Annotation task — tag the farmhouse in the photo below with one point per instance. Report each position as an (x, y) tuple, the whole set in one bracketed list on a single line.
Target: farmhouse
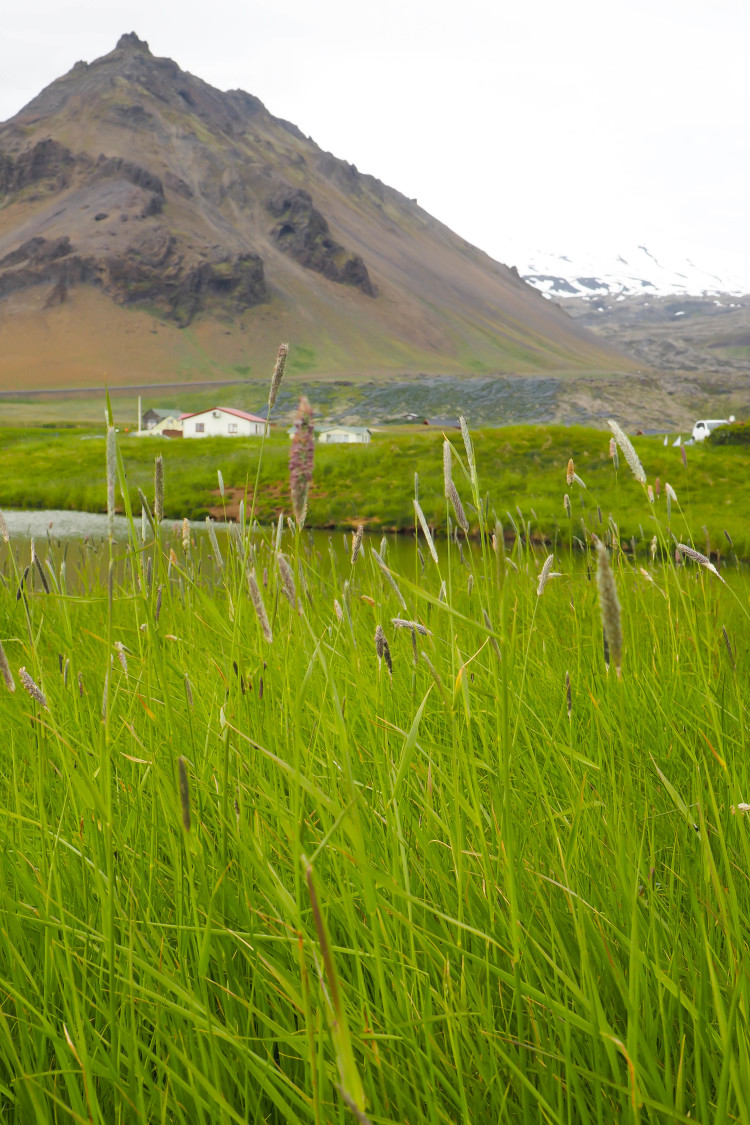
[(169, 425), (337, 435), (222, 421), (156, 415)]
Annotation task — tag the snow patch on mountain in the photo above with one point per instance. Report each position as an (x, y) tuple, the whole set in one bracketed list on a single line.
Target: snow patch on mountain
[(634, 271)]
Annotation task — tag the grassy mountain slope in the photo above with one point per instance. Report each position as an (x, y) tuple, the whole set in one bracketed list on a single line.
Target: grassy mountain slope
[(154, 227)]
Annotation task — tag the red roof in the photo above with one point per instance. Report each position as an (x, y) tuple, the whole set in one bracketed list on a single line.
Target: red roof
[(226, 410)]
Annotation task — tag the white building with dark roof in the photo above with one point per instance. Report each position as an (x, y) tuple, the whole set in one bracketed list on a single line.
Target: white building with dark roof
[(222, 421), (344, 435)]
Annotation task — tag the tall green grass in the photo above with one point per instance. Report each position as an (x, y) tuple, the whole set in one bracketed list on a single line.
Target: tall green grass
[(454, 893)]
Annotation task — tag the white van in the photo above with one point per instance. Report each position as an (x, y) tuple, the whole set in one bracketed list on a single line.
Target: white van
[(702, 429)]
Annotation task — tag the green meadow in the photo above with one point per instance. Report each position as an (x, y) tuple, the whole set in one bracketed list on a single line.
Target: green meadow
[(291, 837), (523, 476)]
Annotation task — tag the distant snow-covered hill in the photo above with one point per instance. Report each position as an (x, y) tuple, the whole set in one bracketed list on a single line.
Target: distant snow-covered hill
[(635, 271)]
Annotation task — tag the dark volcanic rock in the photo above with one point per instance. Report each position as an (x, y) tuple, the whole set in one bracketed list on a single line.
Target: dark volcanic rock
[(37, 251), (141, 177), (151, 270), (154, 270), (46, 160), (303, 233)]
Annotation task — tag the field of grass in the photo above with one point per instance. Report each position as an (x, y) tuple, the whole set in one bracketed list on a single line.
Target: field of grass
[(524, 467), (258, 867)]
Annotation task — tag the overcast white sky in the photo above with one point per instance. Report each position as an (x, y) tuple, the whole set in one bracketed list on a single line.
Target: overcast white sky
[(527, 125)]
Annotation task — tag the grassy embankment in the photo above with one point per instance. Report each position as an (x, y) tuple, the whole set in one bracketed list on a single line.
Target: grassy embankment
[(523, 467), (457, 893)]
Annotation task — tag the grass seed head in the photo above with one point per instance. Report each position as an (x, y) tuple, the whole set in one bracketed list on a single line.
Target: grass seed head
[(37, 563), (610, 607), (447, 466), (382, 649), (468, 446), (729, 647), (415, 626), (287, 579), (571, 473), (260, 610), (121, 656), (425, 530), (278, 374), (613, 453), (702, 560), (186, 535), (32, 689), (544, 575), (628, 451), (214, 543), (4, 529), (184, 793), (301, 456), (357, 542), (566, 505), (159, 489), (5, 671), (458, 508), (388, 576)]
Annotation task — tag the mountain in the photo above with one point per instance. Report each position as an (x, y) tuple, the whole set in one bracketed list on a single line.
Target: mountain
[(157, 229), (633, 271), (661, 308)]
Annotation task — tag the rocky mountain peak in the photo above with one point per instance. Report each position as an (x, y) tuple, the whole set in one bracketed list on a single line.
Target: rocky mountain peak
[(131, 42)]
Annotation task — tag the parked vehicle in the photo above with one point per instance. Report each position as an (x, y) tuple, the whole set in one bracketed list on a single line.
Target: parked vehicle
[(703, 428)]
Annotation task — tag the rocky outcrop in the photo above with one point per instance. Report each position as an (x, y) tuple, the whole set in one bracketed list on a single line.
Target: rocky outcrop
[(46, 160), (52, 163), (157, 271), (152, 271), (303, 233), (37, 252)]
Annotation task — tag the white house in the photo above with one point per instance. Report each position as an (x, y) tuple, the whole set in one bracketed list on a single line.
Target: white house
[(222, 421), (337, 435)]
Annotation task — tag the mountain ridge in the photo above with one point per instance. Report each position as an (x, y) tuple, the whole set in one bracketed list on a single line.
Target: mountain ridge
[(132, 179), (629, 271)]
